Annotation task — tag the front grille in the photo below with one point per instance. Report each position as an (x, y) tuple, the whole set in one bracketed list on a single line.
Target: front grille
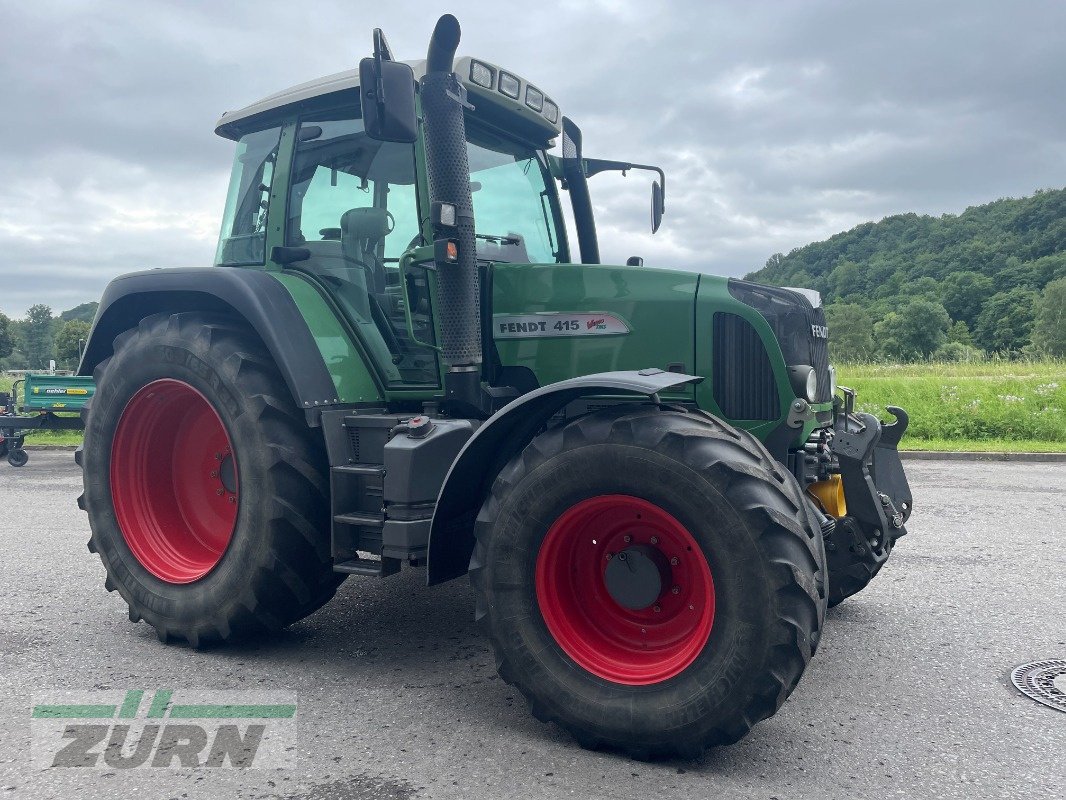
[(793, 320), (744, 384)]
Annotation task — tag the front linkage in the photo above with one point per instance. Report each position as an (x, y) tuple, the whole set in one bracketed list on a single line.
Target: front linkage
[(876, 493)]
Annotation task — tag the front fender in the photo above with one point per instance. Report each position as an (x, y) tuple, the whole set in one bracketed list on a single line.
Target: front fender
[(499, 439)]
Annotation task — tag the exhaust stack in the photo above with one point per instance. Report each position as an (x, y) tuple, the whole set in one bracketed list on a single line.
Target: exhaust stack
[(443, 101)]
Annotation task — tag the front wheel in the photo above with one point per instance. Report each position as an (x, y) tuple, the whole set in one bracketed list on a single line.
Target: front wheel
[(18, 458), (206, 491), (650, 579)]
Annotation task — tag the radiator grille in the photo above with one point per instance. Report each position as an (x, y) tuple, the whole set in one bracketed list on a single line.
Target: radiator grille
[(744, 384), (794, 322)]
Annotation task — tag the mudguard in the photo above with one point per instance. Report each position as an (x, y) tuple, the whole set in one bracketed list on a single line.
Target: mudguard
[(504, 434), (252, 294)]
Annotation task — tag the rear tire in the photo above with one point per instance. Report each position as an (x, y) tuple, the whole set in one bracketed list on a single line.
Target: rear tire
[(206, 491), (652, 682)]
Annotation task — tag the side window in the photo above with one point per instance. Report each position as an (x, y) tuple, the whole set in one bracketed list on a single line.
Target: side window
[(243, 236), (353, 206)]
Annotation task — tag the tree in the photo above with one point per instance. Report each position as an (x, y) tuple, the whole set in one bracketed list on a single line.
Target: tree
[(959, 333), (37, 336), (1049, 327), (1005, 321), (850, 332), (964, 294), (918, 329), (85, 312), (7, 341), (68, 342)]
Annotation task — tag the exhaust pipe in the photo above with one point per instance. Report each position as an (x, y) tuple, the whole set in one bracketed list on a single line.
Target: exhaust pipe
[(443, 101)]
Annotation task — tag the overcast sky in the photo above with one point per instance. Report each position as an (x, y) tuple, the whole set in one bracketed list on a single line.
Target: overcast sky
[(778, 123)]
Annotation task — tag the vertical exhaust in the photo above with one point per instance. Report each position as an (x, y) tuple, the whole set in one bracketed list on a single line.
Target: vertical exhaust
[(443, 102)]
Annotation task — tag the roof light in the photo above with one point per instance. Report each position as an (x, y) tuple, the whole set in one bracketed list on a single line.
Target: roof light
[(509, 85), (534, 98), (482, 74), (551, 111)]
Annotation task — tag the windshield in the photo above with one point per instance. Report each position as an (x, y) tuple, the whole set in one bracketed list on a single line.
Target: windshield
[(516, 211)]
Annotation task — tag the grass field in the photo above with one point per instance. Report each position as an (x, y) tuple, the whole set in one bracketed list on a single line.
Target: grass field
[(991, 405), (988, 406)]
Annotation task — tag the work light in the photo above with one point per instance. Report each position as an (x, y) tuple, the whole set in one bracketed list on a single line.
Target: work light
[(482, 74), (551, 111), (534, 98), (509, 85)]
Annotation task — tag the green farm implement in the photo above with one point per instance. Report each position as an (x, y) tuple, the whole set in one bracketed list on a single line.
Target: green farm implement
[(399, 361), (47, 403)]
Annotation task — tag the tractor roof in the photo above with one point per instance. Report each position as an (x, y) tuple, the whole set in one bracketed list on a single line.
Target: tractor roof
[(233, 124)]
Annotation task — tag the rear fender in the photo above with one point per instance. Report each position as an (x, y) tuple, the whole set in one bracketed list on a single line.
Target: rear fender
[(498, 440), (250, 294)]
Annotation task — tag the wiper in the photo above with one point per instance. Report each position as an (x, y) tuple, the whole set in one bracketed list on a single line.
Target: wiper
[(488, 237)]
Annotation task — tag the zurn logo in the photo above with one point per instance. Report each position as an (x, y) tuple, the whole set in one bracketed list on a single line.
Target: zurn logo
[(164, 729)]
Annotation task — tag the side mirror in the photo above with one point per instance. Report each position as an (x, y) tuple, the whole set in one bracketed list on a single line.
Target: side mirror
[(656, 206), (387, 96)]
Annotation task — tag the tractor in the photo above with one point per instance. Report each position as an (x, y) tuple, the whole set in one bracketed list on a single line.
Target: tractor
[(649, 475)]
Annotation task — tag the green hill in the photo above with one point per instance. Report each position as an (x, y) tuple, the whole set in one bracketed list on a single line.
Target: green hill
[(987, 268)]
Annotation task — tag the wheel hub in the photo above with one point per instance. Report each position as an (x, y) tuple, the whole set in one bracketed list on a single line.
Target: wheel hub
[(625, 589), (174, 481), (635, 577)]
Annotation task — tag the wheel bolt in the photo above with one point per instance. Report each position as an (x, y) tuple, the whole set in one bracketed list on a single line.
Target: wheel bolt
[(627, 538), (214, 473), (674, 561), (233, 498), (610, 556), (676, 590), (621, 556), (218, 491), (218, 456), (654, 539), (657, 609)]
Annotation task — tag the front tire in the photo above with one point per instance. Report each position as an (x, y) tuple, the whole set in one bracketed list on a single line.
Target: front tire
[(205, 489), (737, 578)]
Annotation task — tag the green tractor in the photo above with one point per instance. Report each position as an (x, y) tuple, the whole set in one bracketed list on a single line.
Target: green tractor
[(396, 362)]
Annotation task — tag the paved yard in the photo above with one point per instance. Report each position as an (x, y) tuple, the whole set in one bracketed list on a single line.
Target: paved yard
[(908, 696)]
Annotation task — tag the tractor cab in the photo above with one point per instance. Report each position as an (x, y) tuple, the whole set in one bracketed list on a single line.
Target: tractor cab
[(312, 192)]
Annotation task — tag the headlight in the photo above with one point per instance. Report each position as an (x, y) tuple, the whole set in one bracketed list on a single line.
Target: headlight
[(804, 382), (482, 74)]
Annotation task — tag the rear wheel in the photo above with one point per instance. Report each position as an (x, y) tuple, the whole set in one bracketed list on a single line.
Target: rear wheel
[(205, 489), (650, 579)]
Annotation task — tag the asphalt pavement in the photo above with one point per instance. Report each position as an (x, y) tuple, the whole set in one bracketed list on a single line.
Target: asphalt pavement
[(908, 696)]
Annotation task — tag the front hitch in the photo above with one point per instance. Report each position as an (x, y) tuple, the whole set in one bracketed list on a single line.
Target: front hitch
[(876, 491)]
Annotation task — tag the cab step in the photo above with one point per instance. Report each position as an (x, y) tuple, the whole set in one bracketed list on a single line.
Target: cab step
[(372, 568)]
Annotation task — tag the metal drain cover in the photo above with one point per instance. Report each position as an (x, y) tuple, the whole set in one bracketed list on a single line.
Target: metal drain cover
[(1044, 681)]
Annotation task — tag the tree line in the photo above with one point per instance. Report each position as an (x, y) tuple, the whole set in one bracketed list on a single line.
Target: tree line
[(40, 337), (954, 287)]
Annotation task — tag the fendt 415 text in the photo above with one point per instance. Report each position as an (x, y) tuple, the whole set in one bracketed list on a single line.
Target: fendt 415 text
[(649, 475)]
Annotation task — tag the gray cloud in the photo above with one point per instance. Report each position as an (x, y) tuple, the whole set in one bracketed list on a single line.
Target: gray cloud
[(778, 123)]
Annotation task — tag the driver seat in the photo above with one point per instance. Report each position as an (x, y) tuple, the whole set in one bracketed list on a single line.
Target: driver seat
[(362, 230)]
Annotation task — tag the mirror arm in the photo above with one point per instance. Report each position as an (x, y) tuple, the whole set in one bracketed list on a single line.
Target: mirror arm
[(594, 166)]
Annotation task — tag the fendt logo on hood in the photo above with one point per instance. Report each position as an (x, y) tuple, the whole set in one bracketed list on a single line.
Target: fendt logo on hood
[(820, 331)]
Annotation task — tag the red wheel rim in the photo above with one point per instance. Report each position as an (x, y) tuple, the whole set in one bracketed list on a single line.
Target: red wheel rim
[(633, 647), (174, 481)]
